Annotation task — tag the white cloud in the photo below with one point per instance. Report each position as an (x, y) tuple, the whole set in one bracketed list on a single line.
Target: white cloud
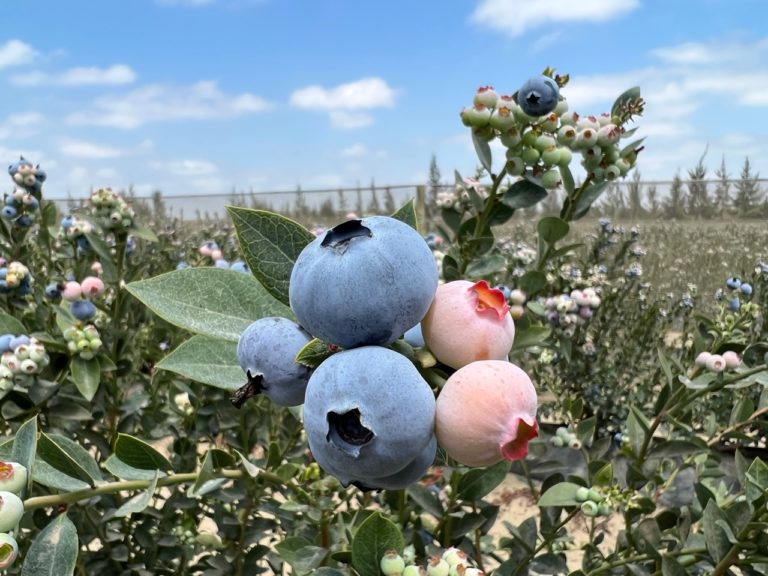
[(349, 120), (355, 151), (515, 17), (21, 125), (157, 103), (362, 94), (187, 167), (16, 53), (82, 149), (693, 53), (117, 74)]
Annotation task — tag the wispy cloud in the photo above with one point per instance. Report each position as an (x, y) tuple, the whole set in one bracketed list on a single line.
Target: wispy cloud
[(345, 101), (21, 125), (114, 75), (15, 53), (158, 103), (83, 149), (515, 18), (187, 167), (354, 151)]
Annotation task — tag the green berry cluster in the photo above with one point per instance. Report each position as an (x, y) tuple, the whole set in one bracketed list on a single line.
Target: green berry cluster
[(111, 210), (84, 341), (538, 147), (593, 503), (21, 365), (452, 562), (564, 437)]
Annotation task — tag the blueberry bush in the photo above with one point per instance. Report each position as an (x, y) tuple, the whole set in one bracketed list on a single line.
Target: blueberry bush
[(255, 397)]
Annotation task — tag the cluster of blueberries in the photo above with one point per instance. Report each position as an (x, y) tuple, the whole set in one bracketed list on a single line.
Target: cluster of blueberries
[(371, 418), (540, 134), (736, 290), (79, 294), (451, 561), (211, 250), (15, 278), (22, 359), (110, 209), (19, 207), (572, 309), (74, 229), (13, 481)]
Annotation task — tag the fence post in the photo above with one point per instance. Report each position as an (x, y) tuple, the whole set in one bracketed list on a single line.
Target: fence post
[(421, 208)]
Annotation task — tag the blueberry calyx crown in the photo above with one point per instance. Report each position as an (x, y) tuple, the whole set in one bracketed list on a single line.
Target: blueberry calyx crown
[(349, 430), (339, 236), (253, 387)]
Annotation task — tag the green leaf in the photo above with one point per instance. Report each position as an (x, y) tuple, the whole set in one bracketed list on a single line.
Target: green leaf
[(138, 453), (214, 460), (212, 361), (523, 194), (143, 233), (270, 244), (671, 567), (121, 470), (604, 476), (86, 375), (532, 282), (250, 468), (301, 554), (314, 352), (407, 213), (210, 301), (483, 150), (587, 197), (10, 325), (551, 229), (531, 336), (625, 97), (139, 502), (54, 551), (757, 479), (452, 219), (638, 429), (47, 475), (714, 535), (567, 177), (426, 499), (486, 265), (53, 454), (478, 482), (108, 269), (375, 536), (79, 454), (561, 494), (25, 447)]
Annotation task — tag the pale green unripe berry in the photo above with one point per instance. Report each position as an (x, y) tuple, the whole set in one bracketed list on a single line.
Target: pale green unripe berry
[(595, 496), (569, 118), (502, 119), (13, 477), (597, 174), (563, 432), (529, 138), (409, 552), (550, 123), (95, 344), (29, 366), (87, 355), (582, 494), (550, 156), (574, 444), (589, 508), (11, 511), (544, 142), (562, 107), (69, 333), (586, 138), (9, 550), (608, 135), (392, 564), (565, 156), (22, 352), (485, 133), (557, 442), (604, 510), (612, 172), (530, 156), (38, 354), (522, 117), (517, 296), (623, 165), (5, 372), (477, 117), (90, 332), (486, 96), (454, 555), (566, 135), (414, 570), (515, 166), (72, 346), (10, 361), (551, 179), (610, 154), (511, 137), (438, 567), (83, 345)]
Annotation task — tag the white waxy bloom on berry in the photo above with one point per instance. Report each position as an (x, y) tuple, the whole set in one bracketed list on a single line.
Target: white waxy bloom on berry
[(732, 359), (716, 363), (486, 96)]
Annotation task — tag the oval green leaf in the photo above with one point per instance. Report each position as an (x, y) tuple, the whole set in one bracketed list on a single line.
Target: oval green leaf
[(211, 361)]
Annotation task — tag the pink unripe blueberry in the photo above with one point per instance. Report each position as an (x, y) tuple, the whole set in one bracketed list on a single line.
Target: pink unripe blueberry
[(608, 135), (96, 268), (716, 363), (517, 296), (9, 550), (92, 287), (732, 359), (486, 412), (468, 322), (72, 291), (516, 311), (205, 250), (216, 255), (703, 358)]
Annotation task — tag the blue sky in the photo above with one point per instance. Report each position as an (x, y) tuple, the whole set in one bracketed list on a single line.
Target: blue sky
[(203, 96)]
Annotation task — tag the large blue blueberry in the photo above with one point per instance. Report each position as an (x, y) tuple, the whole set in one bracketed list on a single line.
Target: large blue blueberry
[(266, 352), (368, 414), (83, 310), (413, 472), (363, 282), (538, 96)]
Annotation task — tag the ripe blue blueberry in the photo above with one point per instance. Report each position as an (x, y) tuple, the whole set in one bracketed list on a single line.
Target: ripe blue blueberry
[(84, 244), (8, 212), (266, 352), (363, 282), (746, 289), (53, 291), (734, 304), (17, 341), (538, 96), (733, 283), (413, 472), (83, 309), (414, 337), (67, 222), (368, 414), (182, 265), (240, 266), (221, 263), (23, 221), (5, 343)]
